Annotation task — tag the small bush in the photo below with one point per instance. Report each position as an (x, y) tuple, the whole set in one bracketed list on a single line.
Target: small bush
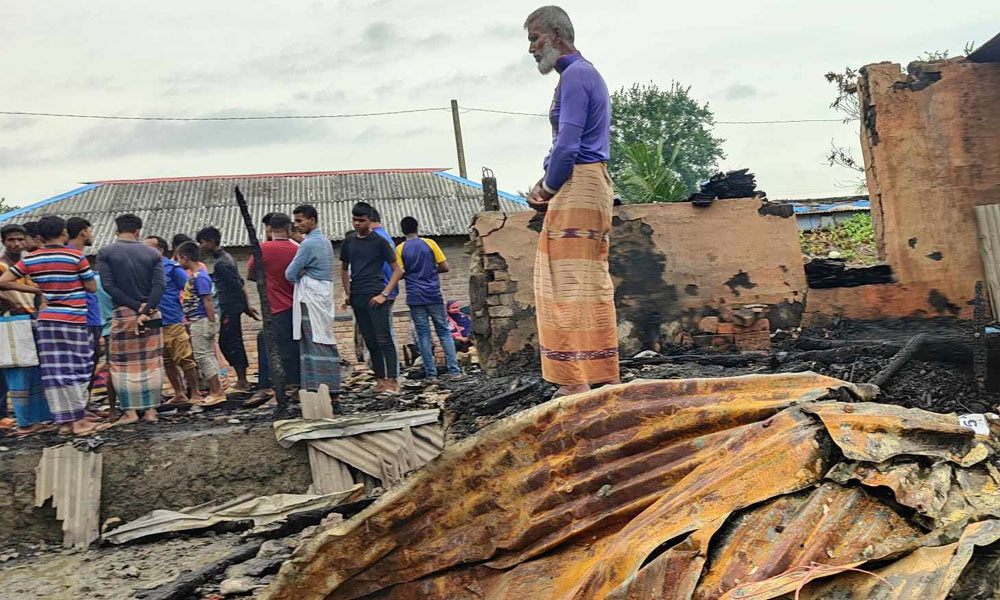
[(854, 239)]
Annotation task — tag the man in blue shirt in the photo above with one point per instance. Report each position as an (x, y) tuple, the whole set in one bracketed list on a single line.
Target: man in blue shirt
[(574, 293), (178, 356), (313, 310), (422, 260)]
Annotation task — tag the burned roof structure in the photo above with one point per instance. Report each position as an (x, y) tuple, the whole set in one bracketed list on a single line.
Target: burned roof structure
[(443, 203)]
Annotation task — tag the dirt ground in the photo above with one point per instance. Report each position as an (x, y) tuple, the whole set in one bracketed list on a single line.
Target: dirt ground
[(111, 573)]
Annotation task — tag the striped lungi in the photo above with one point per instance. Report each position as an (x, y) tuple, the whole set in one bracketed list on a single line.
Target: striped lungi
[(27, 396), (574, 295), (320, 362), (136, 362), (66, 362)]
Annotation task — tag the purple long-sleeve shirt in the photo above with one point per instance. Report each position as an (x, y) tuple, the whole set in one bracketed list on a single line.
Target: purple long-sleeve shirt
[(581, 121)]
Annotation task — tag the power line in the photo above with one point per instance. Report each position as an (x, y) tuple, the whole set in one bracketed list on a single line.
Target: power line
[(465, 109), (241, 118), (529, 114)]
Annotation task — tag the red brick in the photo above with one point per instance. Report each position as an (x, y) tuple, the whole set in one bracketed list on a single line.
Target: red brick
[(757, 340), (719, 342), (734, 329), (709, 325)]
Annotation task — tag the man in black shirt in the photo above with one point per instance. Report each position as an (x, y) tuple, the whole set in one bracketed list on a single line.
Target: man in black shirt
[(233, 303), (362, 255)]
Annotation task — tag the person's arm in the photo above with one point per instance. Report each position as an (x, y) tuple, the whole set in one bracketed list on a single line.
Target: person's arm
[(249, 309), (389, 256), (399, 255), (345, 270), (7, 282), (293, 272), (206, 300), (345, 280), (156, 291), (251, 270), (397, 274), (439, 258), (87, 276), (573, 100)]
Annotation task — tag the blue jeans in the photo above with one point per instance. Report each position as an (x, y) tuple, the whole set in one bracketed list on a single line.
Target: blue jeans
[(419, 314)]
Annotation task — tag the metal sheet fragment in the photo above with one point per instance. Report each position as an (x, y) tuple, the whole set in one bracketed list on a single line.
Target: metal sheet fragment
[(73, 480), (877, 432)]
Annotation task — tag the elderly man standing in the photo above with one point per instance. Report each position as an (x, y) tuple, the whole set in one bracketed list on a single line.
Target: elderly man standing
[(574, 295)]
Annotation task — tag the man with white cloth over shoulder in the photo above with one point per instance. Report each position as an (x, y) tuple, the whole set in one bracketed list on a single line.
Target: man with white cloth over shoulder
[(312, 305)]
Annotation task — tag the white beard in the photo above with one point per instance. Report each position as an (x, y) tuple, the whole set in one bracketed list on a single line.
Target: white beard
[(550, 56)]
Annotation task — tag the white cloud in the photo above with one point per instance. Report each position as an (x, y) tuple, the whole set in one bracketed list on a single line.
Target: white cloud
[(293, 57)]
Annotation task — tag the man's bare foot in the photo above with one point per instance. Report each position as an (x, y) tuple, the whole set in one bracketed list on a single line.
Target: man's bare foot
[(65, 429), (569, 390), (129, 417), (83, 427), (150, 416), (380, 385), (196, 399)]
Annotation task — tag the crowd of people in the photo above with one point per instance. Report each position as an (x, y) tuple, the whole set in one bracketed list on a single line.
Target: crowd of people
[(153, 309)]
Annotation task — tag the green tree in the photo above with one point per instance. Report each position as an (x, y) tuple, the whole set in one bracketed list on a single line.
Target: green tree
[(648, 178), (645, 114)]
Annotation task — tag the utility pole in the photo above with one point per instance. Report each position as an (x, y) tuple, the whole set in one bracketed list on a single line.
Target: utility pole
[(459, 146)]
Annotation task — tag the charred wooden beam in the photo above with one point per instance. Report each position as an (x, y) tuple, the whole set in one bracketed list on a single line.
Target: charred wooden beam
[(899, 359)]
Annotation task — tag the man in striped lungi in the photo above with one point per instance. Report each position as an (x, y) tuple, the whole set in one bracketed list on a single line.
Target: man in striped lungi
[(64, 276)]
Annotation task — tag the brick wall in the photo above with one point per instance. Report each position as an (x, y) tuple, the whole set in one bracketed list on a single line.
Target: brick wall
[(454, 285)]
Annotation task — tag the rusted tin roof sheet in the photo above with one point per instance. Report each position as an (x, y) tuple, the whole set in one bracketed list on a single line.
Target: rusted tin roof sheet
[(665, 489)]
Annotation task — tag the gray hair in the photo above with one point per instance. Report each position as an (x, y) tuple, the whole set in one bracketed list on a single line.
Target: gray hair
[(551, 19)]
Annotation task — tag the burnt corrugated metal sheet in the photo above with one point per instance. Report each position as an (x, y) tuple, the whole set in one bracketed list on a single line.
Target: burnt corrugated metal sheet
[(442, 203), (667, 489), (73, 480)]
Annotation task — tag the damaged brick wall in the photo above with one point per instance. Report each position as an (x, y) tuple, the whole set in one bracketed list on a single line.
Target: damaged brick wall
[(931, 143), (715, 274)]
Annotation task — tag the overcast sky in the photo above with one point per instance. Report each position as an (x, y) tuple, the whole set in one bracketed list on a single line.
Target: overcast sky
[(750, 61)]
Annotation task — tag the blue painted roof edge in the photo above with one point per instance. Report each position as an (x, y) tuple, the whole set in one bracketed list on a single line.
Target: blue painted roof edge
[(817, 208), (47, 201), (479, 186)]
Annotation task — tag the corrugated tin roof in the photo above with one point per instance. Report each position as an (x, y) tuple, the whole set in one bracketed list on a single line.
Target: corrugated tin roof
[(831, 205), (444, 204), (73, 480)]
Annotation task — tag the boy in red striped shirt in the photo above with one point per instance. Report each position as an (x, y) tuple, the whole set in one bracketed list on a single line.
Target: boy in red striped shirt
[(63, 276)]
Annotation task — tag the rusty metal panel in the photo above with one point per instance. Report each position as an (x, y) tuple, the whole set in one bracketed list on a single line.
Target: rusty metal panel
[(444, 205), (830, 524), (589, 485), (927, 573), (878, 432), (73, 480), (669, 489)]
